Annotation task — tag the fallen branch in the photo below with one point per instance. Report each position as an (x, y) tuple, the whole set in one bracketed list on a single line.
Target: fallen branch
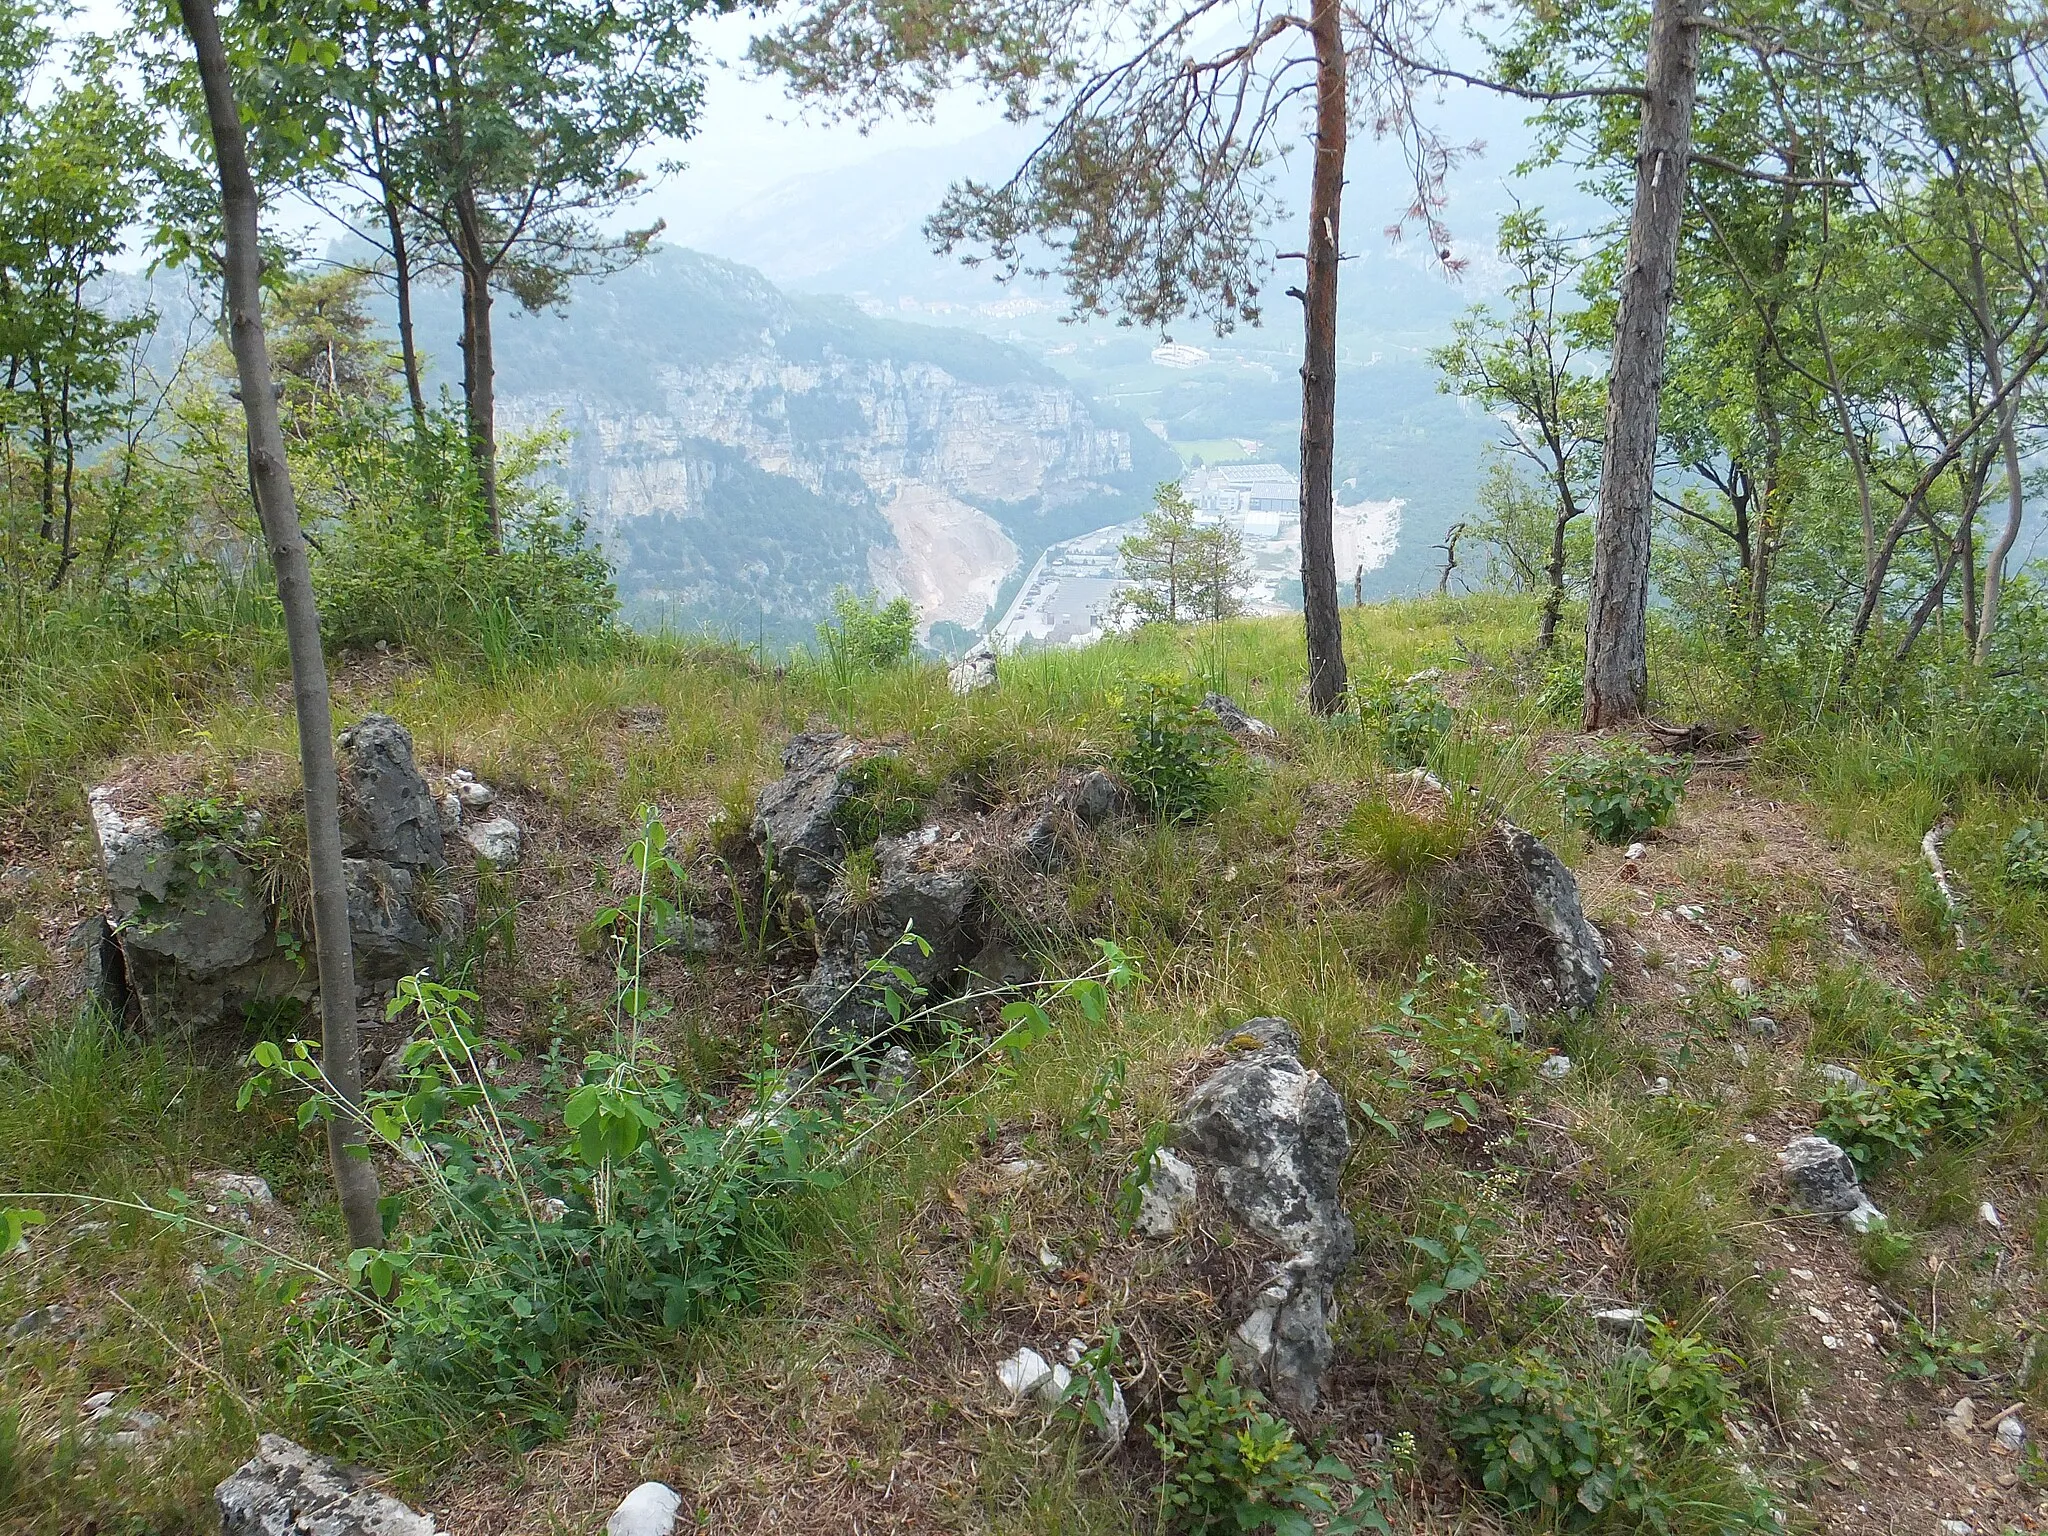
[(1930, 849)]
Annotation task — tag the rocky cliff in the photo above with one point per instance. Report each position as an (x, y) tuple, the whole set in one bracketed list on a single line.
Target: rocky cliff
[(741, 452)]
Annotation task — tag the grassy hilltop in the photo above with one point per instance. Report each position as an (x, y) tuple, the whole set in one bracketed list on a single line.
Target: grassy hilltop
[(834, 1371)]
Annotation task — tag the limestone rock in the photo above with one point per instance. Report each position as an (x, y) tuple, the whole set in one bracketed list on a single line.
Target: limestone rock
[(1245, 727), (285, 1490), (18, 987), (914, 891), (388, 813), (392, 938), (1578, 956), (194, 933), (974, 671), (796, 819), (1821, 1178), (1167, 1195), (649, 1510), (1273, 1136), (496, 841), (1841, 1079)]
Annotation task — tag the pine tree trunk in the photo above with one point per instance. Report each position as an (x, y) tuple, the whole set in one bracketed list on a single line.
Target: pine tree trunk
[(1322, 619), (340, 1054), (1617, 642), (479, 371)]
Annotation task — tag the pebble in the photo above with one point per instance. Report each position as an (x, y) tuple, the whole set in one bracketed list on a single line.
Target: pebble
[(1740, 1052), (1019, 1169), (1847, 1079), (35, 1322), (1556, 1068), (2011, 1434), (1741, 986), (1763, 1027), (1955, 1528), (18, 987), (1961, 1420), (649, 1510), (1988, 1214), (1660, 1089), (1626, 1321), (1635, 852)]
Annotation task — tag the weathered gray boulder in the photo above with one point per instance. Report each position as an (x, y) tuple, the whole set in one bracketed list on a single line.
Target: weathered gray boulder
[(918, 911), (1246, 727), (195, 930), (387, 811), (1272, 1136), (974, 671), (1544, 889), (392, 936), (1084, 799), (1821, 1177), (796, 819), (285, 1490)]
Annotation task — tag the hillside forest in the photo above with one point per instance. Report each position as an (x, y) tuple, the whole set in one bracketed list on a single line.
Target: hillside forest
[(1565, 1052)]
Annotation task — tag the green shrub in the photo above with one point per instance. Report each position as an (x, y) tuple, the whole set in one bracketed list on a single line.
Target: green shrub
[(1620, 792), (1562, 693), (1632, 1448), (2026, 856), (406, 557), (1411, 717), (1232, 1466), (867, 635), (1173, 752)]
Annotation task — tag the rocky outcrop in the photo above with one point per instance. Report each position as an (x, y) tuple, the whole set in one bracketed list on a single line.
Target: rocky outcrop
[(1245, 727), (387, 812), (974, 671), (1268, 1136), (285, 1490), (1521, 900), (193, 923), (918, 913), (796, 819), (193, 932), (1547, 897)]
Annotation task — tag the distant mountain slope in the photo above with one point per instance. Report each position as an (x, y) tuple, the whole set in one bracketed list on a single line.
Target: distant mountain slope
[(742, 451)]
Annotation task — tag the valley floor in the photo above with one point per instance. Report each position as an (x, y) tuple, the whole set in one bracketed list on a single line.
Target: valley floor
[(1783, 921)]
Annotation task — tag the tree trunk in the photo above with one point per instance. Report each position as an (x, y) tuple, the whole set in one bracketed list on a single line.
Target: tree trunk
[(479, 372), (1617, 642), (2015, 510), (1553, 597), (1322, 619), (401, 280), (340, 1055)]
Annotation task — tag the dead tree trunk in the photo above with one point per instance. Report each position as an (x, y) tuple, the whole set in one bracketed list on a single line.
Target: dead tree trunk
[(1617, 642), (1322, 619), (341, 1057)]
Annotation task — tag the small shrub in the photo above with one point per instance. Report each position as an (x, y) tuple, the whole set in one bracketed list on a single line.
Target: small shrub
[(1621, 792), (1174, 751), (1634, 1448), (1942, 1085), (866, 635), (1562, 693), (2026, 856), (1232, 1466), (1411, 717)]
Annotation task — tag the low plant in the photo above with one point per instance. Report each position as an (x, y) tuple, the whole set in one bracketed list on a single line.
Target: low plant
[(1562, 693), (2026, 856), (1620, 791), (1950, 1069), (1411, 717), (1233, 1466), (1633, 1448), (1174, 750)]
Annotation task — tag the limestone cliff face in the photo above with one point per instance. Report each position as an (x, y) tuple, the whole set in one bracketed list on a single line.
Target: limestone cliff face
[(740, 473)]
